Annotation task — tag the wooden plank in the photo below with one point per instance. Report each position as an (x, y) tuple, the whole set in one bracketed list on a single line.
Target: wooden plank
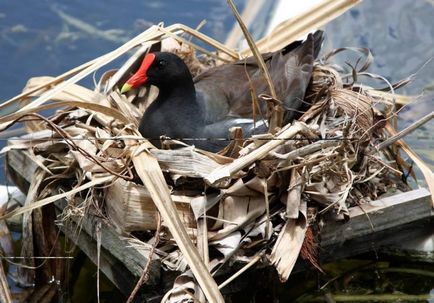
[(125, 250), (379, 226), (379, 215), (115, 271), (379, 242), (415, 243)]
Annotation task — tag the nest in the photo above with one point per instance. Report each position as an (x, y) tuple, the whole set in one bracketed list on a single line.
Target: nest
[(261, 204)]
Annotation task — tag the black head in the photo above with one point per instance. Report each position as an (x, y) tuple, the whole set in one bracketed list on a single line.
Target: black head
[(160, 69)]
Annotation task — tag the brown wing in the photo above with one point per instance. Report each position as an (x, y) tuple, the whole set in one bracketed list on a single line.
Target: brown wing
[(227, 89)]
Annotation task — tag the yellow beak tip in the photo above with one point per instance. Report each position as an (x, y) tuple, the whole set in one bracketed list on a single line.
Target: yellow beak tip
[(125, 88)]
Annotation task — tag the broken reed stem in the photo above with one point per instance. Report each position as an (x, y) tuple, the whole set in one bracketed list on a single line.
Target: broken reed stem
[(292, 29), (254, 49), (5, 293), (242, 270), (150, 173), (98, 258), (277, 116), (202, 239), (406, 131), (145, 273)]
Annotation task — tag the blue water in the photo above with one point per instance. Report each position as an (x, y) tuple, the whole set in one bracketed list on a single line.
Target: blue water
[(36, 40), (400, 35)]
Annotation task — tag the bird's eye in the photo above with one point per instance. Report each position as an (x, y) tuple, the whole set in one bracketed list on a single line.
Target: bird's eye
[(161, 64)]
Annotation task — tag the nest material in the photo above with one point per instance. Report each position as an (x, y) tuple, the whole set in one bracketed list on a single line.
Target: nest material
[(327, 159), (130, 208), (325, 162)]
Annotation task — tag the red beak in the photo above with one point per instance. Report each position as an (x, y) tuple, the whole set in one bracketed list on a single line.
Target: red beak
[(140, 77)]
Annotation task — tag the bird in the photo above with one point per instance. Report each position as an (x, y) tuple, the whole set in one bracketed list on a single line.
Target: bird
[(202, 110)]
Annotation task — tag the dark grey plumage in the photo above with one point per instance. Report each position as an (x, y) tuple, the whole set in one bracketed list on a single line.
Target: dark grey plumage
[(220, 98)]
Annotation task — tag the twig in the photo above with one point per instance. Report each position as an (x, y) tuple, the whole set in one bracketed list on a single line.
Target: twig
[(246, 267), (406, 131), (5, 294), (70, 142), (397, 172), (309, 162), (309, 149), (145, 273), (98, 258)]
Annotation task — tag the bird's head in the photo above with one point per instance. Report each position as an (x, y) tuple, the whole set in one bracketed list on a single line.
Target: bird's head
[(159, 69)]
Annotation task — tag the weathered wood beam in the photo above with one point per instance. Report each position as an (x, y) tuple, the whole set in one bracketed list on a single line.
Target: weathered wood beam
[(114, 270), (21, 167), (379, 215)]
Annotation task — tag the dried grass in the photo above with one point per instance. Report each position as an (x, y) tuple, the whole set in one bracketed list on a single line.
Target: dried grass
[(326, 161)]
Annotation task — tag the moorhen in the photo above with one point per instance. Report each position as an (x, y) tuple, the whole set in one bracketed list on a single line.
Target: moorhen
[(202, 110)]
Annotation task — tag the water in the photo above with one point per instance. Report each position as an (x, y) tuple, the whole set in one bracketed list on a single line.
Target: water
[(400, 35), (50, 37)]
